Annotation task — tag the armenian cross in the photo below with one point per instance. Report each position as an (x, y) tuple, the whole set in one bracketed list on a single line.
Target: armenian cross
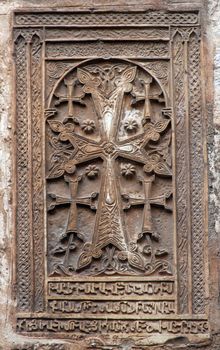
[(110, 227), (70, 97), (161, 200)]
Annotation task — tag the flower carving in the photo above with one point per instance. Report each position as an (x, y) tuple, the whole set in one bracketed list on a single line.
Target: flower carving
[(88, 126), (92, 171), (131, 125), (128, 170)]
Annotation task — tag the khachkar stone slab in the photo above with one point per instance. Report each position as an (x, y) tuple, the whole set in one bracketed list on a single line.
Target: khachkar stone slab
[(111, 178)]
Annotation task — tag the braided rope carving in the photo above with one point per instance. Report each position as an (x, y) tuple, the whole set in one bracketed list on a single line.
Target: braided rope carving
[(197, 171), (23, 221)]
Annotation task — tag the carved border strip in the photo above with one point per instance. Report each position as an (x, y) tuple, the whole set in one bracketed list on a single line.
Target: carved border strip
[(83, 34), (30, 223), (104, 49), (190, 237), (182, 169), (38, 190), (23, 218), (197, 174), (107, 18)]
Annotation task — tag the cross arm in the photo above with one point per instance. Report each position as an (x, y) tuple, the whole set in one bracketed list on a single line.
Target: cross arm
[(57, 200), (76, 99), (89, 200), (131, 201), (162, 200)]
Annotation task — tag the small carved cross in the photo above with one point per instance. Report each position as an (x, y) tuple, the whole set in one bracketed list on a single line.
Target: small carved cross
[(73, 200), (147, 224), (70, 97), (146, 96)]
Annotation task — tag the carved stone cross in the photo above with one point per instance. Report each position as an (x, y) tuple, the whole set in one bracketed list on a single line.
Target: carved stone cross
[(73, 200), (146, 96), (110, 230), (70, 97), (161, 200)]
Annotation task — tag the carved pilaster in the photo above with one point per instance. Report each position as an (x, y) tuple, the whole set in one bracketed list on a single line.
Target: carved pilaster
[(37, 171), (23, 218), (29, 168), (179, 53), (196, 175)]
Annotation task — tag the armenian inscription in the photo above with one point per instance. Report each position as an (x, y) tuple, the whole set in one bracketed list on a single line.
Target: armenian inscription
[(110, 214)]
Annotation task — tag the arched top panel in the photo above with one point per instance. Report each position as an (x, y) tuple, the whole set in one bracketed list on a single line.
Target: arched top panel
[(108, 69)]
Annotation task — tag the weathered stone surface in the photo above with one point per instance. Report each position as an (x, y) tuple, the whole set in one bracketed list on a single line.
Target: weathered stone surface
[(112, 238)]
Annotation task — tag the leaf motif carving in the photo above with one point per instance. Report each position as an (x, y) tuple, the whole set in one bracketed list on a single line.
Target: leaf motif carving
[(83, 76), (162, 169), (136, 261), (84, 260), (56, 171), (161, 126), (56, 125), (88, 80), (129, 74)]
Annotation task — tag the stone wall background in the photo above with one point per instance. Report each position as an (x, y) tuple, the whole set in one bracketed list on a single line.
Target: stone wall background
[(211, 16)]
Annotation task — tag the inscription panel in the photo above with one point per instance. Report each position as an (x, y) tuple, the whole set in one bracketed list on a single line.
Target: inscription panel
[(110, 193), (130, 289)]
